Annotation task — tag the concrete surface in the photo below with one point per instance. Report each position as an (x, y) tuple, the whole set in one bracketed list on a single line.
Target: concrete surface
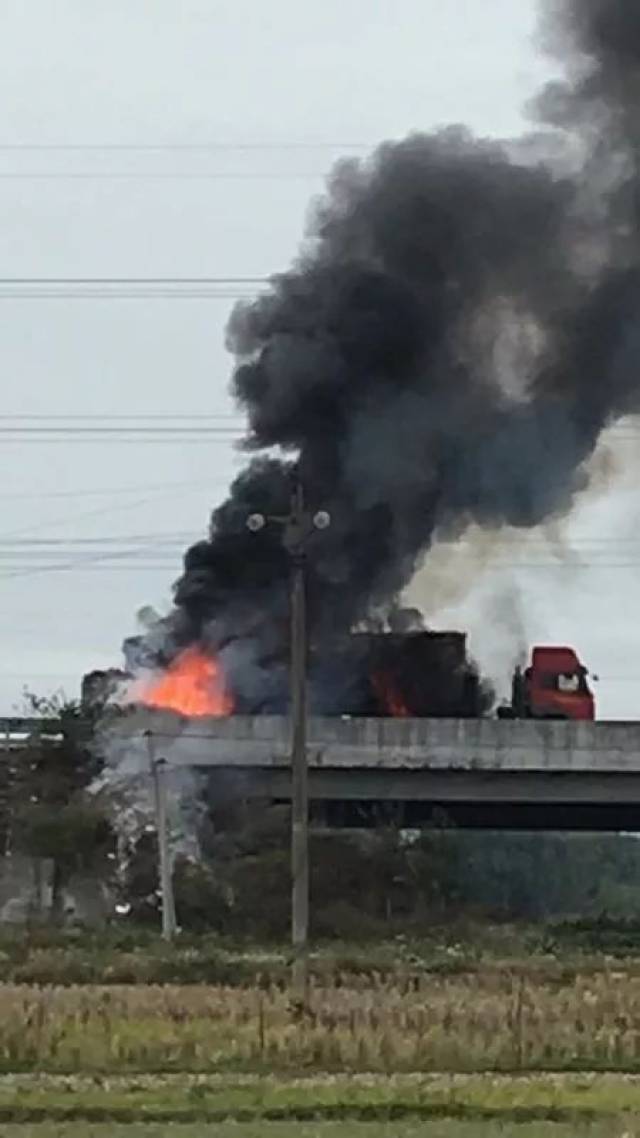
[(502, 774), (407, 744)]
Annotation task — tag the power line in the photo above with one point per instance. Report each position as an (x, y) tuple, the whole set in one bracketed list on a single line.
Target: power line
[(103, 539), (152, 438), (215, 288), (112, 491), (124, 294), (182, 421), (134, 280), (168, 565), (100, 511), (534, 540), (83, 560), (165, 176), (70, 432), (214, 422), (169, 553), (131, 559), (590, 557), (16, 573), (105, 416), (84, 440), (90, 439), (595, 545), (202, 147), (137, 436)]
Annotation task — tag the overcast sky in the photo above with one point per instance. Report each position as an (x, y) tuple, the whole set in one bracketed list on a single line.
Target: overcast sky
[(253, 81)]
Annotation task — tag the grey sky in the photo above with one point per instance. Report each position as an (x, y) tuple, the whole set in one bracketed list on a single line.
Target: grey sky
[(157, 72)]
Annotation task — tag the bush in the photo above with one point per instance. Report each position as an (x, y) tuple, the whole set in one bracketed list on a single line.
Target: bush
[(200, 902), (343, 921)]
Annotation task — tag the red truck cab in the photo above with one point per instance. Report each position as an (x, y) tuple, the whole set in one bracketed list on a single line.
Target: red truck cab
[(554, 686)]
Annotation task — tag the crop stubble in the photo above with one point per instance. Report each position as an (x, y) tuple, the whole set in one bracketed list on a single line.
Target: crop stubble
[(478, 1022)]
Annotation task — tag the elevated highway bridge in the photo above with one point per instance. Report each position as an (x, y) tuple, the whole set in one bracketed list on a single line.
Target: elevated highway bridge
[(483, 773), (476, 773)]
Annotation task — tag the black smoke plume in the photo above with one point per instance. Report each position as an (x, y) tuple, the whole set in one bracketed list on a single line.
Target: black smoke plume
[(460, 326)]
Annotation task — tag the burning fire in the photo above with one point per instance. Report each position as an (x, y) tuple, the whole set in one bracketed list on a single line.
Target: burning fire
[(390, 698), (193, 685)]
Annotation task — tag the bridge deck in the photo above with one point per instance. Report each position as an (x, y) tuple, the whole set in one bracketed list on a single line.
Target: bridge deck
[(518, 774), (398, 744), (473, 773)]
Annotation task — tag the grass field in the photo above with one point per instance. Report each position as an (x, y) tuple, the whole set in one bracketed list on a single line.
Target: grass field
[(41, 955), (236, 1062), (441, 1044), (315, 1099), (326, 1130), (491, 1020)]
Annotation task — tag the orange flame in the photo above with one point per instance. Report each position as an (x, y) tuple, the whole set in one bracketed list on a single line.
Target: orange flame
[(390, 698), (192, 685)]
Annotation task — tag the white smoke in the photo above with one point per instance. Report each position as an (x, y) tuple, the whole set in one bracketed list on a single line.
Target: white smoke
[(129, 744)]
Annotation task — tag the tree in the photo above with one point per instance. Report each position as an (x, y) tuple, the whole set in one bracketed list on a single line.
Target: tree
[(54, 814)]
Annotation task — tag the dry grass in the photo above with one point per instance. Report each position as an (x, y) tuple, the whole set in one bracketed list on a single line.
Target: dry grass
[(346, 1129), (479, 1022)]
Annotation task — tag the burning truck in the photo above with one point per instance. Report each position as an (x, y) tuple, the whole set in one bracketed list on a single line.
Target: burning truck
[(375, 674), (417, 674)]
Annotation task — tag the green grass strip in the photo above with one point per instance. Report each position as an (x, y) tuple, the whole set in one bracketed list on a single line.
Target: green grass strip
[(344, 1129), (176, 1099)]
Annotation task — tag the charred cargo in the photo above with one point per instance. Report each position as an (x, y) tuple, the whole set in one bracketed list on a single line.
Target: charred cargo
[(415, 674)]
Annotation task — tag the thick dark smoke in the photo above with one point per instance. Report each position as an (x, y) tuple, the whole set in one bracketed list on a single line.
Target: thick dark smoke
[(458, 330)]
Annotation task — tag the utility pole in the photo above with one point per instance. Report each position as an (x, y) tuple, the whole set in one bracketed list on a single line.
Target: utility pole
[(158, 771), (294, 536), (298, 526)]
